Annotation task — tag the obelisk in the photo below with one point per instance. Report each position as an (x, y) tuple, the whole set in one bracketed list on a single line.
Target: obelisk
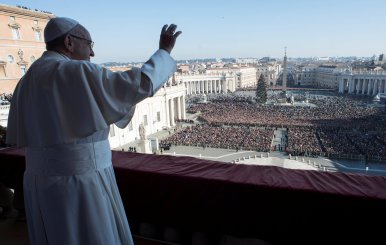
[(285, 70)]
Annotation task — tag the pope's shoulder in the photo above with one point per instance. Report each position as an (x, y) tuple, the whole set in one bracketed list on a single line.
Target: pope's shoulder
[(64, 62)]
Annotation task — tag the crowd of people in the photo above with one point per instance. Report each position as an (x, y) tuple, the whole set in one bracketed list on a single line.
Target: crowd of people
[(332, 125), (329, 111), (228, 137), (5, 99)]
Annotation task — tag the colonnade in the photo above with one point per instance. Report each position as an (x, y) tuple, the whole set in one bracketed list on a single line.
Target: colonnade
[(175, 109), (206, 87), (369, 85)]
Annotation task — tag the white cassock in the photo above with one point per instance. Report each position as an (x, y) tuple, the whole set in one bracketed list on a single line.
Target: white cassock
[(60, 112)]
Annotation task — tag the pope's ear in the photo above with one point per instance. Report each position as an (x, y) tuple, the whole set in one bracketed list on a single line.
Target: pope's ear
[(68, 43)]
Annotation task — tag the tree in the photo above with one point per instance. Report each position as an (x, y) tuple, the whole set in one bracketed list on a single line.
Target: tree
[(261, 91)]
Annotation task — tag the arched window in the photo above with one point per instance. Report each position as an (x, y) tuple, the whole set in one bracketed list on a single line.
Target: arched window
[(38, 36), (15, 28), (38, 33), (15, 33)]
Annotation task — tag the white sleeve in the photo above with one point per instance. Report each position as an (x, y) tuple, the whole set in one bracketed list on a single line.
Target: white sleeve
[(159, 68)]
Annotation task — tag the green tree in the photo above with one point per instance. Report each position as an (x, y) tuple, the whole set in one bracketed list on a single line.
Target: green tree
[(261, 91)]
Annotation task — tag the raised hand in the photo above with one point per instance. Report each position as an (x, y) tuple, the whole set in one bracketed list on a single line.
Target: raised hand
[(168, 37)]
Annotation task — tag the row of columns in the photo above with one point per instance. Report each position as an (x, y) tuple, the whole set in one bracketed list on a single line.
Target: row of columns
[(369, 86), (175, 109), (205, 87)]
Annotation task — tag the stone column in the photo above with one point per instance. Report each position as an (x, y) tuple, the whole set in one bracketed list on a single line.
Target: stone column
[(341, 82), (183, 107), (365, 85), (378, 86), (369, 86), (167, 112), (171, 118), (178, 108), (351, 86)]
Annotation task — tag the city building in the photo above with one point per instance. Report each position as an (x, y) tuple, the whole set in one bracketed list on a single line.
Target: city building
[(21, 42), (155, 113), (367, 78), (363, 82), (224, 78), (211, 81)]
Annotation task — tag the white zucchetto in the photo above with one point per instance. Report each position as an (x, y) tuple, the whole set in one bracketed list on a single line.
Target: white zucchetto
[(57, 27)]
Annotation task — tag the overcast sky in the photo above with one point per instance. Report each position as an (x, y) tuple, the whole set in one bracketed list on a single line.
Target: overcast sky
[(125, 30)]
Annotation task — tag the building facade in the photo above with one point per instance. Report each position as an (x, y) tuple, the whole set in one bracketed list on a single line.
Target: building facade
[(155, 113), (211, 83), (270, 71), (21, 42), (305, 74), (345, 79), (363, 82)]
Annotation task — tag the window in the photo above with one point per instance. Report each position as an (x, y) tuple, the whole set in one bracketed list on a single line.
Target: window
[(10, 59), (145, 120), (2, 70), (158, 116), (15, 33), (15, 28), (38, 36), (23, 69)]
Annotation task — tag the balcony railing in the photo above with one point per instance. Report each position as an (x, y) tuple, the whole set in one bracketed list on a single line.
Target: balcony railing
[(281, 206)]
